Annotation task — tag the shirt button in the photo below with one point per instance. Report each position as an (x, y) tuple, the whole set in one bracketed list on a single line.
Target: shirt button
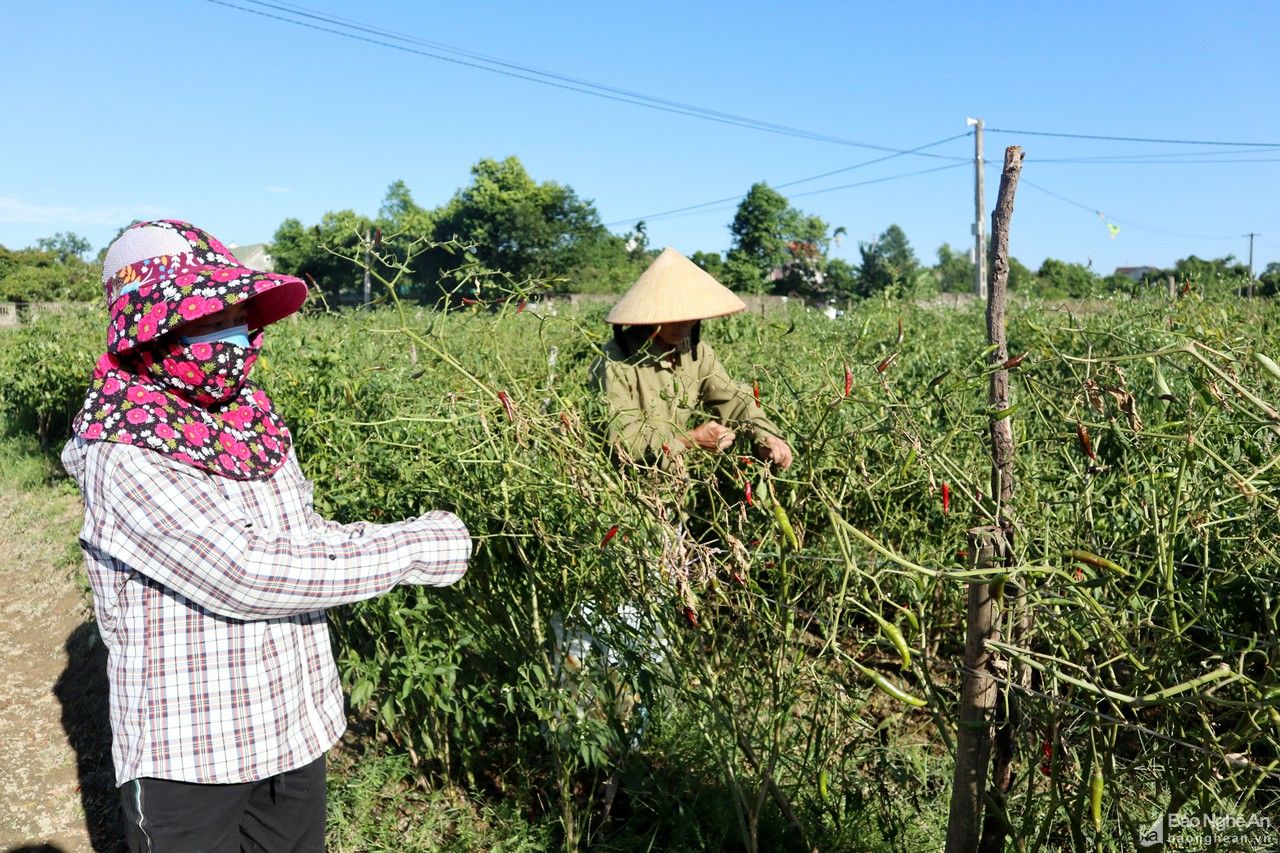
[(333, 556)]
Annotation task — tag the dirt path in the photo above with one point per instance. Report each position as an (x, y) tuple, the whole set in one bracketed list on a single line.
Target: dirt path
[(56, 786)]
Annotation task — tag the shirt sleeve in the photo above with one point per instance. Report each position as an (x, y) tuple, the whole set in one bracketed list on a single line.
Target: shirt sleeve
[(732, 403), (635, 430), (173, 524)]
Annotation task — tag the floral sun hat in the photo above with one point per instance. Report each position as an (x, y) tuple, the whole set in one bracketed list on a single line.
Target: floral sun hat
[(190, 399), (159, 275)]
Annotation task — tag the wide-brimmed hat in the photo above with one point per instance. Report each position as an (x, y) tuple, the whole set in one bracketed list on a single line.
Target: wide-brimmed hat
[(673, 289), (159, 275)]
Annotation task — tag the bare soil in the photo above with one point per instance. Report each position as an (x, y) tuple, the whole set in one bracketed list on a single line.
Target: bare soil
[(57, 789)]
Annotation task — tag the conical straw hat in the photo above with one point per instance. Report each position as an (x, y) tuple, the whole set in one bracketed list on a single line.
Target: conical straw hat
[(673, 289)]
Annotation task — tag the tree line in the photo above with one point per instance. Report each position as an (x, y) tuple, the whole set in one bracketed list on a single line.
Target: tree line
[(506, 224)]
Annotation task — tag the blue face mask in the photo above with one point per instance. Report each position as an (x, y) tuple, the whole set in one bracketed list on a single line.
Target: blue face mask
[(234, 335)]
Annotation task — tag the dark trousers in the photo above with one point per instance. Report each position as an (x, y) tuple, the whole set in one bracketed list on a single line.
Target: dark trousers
[(281, 814)]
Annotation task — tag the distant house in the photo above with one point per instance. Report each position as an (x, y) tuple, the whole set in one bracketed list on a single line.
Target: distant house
[(254, 255), (1136, 274)]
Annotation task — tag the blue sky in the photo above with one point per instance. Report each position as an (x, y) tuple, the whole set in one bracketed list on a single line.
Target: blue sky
[(197, 110)]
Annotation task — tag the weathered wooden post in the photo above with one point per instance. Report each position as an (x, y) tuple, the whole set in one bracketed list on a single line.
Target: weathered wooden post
[(989, 548), (977, 699)]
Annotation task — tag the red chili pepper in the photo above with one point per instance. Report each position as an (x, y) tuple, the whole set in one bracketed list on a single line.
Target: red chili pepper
[(1046, 766), (377, 237), (666, 449), (746, 490), (692, 616), (848, 380), (746, 460), (884, 365), (755, 389), (1086, 445), (612, 532), (962, 554), (564, 422), (1079, 573), (1015, 361), (521, 306), (946, 497), (468, 301), (507, 405)]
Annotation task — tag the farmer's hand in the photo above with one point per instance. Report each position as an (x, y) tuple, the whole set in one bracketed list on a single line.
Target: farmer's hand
[(775, 450), (712, 436)]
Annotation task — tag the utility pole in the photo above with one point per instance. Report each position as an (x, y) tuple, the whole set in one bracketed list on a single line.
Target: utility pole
[(979, 247), (368, 241), (1251, 235)]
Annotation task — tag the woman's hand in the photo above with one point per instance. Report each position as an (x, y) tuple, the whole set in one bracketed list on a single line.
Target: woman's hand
[(712, 436), (775, 450)]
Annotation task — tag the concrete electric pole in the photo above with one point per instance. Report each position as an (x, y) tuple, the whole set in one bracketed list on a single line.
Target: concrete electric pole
[(979, 253)]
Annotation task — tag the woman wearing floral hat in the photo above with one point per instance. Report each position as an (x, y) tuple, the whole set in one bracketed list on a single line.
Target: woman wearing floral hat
[(210, 570), (657, 372)]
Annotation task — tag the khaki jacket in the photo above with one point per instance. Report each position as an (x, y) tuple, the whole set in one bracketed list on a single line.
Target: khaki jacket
[(652, 398)]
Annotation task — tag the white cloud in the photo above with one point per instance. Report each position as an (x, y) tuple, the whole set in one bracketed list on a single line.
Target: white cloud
[(278, 189), (15, 211)]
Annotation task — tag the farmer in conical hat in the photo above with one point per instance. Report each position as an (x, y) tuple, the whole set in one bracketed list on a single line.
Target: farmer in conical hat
[(657, 372), (210, 570)]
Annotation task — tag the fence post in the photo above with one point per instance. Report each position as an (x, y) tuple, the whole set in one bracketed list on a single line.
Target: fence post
[(977, 699), (989, 547), (1002, 482)]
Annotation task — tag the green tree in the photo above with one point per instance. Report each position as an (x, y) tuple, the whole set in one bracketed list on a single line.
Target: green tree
[(1269, 281), (54, 272), (777, 248), (954, 270), (1061, 279), (329, 253), (64, 246), (761, 229), (887, 261), (712, 262), (525, 229)]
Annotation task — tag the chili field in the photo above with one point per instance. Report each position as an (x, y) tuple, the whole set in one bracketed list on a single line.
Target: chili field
[(726, 656)]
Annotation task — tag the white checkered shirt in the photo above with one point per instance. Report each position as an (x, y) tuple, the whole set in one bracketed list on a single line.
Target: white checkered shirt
[(210, 596)]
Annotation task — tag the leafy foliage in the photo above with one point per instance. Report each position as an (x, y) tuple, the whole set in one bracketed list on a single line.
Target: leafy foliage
[(780, 714), (54, 272)]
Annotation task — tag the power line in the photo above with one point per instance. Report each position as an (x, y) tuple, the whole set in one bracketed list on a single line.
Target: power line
[(881, 180), (735, 198), (1135, 162), (1094, 210), (1134, 138), (1158, 156), (352, 29), (703, 208), (360, 31)]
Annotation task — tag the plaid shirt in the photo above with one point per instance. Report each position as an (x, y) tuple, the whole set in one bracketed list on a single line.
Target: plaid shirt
[(210, 595)]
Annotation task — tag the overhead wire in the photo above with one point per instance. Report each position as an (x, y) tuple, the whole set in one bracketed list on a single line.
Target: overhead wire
[(1134, 138), (665, 214), (1160, 156), (347, 28), (356, 30), (1094, 210)]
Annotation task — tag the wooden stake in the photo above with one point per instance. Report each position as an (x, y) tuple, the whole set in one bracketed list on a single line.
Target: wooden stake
[(977, 699), (996, 820), (990, 547)]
